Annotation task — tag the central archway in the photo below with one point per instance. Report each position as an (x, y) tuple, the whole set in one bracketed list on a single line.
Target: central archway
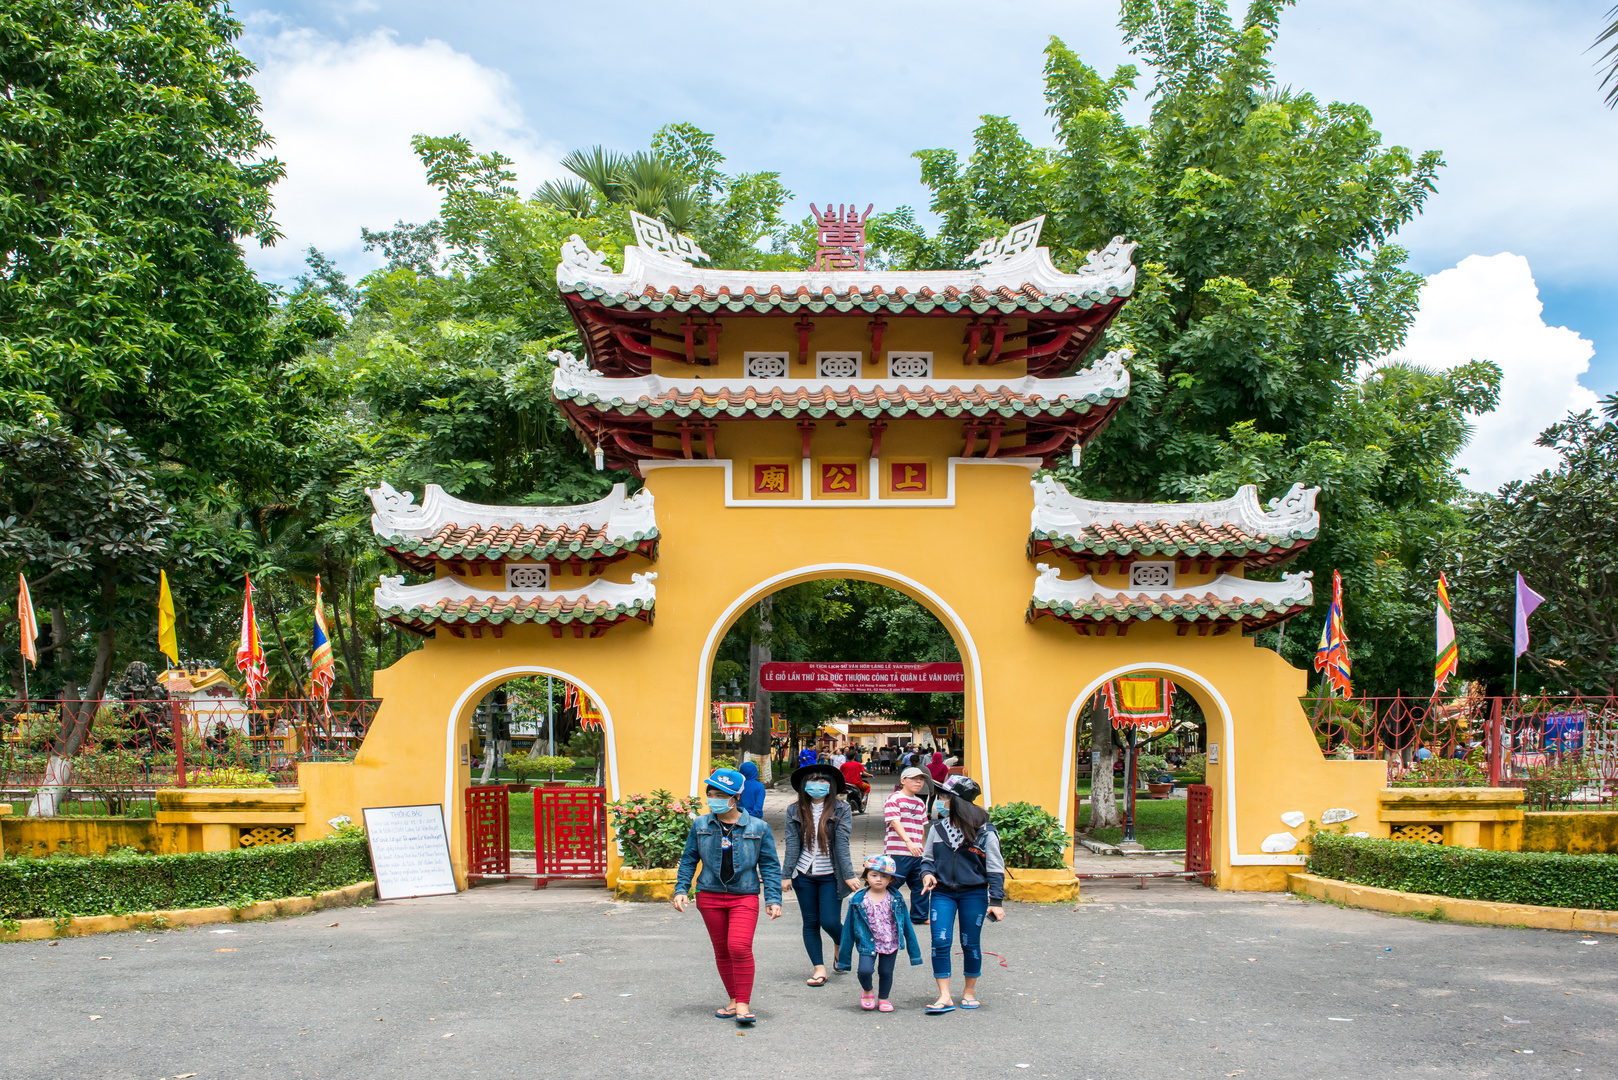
[(900, 582)]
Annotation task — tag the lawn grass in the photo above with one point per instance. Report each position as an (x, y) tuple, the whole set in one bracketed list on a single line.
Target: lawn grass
[(1159, 823)]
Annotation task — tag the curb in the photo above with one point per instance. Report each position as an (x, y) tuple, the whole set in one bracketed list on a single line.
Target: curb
[(80, 925), (1480, 912)]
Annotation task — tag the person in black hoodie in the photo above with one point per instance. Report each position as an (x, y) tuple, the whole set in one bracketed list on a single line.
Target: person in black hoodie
[(964, 877)]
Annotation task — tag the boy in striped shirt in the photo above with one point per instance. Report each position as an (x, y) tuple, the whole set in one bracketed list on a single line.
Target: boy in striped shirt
[(905, 816)]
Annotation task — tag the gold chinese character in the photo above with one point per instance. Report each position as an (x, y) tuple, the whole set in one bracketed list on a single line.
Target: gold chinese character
[(910, 477), (836, 478), (770, 479)]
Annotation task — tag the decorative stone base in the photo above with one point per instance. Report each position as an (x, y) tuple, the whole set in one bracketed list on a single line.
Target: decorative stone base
[(644, 886), (1042, 886)]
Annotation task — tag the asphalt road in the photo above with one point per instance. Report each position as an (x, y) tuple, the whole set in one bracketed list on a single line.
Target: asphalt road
[(502, 981)]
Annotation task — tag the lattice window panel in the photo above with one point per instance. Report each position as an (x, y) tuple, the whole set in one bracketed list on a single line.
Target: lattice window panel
[(264, 834), (1417, 832), (765, 365), (910, 365), (837, 365), (527, 577), (1151, 575)]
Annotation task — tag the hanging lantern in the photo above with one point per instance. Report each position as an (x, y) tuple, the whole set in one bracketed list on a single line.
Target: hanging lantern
[(733, 717), (601, 458), (1140, 702)]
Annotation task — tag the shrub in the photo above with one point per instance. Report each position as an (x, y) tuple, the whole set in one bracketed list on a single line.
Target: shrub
[(1030, 837), (1550, 879), (1439, 771), (121, 884), (1195, 765), (231, 776), (526, 765), (651, 829)]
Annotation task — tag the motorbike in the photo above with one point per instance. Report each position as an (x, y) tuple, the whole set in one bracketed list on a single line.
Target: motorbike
[(856, 800)]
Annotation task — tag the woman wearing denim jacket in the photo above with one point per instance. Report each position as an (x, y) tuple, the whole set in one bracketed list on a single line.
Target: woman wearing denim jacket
[(964, 876), (818, 862), (737, 853)]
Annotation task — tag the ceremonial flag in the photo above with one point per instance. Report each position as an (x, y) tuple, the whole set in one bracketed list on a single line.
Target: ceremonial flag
[(250, 651), (1140, 702), (322, 670), (1448, 655), (1331, 656), (734, 717), (167, 642), (27, 623), (1527, 601)]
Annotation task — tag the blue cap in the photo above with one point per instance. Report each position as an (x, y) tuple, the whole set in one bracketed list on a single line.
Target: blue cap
[(729, 781)]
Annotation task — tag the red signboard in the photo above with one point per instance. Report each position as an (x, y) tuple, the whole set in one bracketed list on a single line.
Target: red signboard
[(863, 678)]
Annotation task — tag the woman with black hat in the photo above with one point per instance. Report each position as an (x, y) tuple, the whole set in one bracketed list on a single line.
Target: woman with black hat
[(964, 877), (817, 861), (737, 853)]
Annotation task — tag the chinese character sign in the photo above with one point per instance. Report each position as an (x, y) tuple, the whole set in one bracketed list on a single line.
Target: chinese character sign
[(909, 476), (772, 479), (840, 244), (838, 480)]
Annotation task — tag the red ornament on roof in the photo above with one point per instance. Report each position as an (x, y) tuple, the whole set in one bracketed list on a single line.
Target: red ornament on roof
[(841, 241)]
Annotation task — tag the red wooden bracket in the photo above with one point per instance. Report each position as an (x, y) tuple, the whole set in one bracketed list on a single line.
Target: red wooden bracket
[(804, 328), (877, 327), (806, 428), (876, 428)]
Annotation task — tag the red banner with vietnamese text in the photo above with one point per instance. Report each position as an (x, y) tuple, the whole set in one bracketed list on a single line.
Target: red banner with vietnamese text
[(840, 678)]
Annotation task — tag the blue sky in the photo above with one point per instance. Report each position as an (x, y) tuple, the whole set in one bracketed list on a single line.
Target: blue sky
[(835, 96)]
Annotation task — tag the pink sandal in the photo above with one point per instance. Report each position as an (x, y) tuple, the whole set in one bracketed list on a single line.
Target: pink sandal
[(884, 1006), (868, 1001)]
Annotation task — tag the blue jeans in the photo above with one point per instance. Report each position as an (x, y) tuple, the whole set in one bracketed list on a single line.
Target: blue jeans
[(909, 867), (818, 904), (972, 907)]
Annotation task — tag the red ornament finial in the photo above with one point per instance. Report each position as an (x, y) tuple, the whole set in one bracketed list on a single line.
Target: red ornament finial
[(841, 240)]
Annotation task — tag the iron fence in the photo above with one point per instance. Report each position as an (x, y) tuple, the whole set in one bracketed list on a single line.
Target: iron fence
[(1561, 749), (132, 748)]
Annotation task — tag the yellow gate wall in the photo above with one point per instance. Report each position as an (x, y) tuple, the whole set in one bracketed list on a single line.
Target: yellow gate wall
[(966, 563)]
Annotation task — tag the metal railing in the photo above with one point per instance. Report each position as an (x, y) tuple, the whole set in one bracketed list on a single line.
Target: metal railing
[(133, 748), (1561, 749)]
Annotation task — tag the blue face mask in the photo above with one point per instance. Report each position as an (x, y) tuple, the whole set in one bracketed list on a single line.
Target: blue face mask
[(719, 806), (942, 809), (817, 789)]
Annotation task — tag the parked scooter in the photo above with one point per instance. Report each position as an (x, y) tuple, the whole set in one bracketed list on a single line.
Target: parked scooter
[(856, 800)]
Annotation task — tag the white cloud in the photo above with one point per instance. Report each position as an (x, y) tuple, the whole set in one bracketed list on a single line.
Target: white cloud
[(1487, 308), (342, 114)]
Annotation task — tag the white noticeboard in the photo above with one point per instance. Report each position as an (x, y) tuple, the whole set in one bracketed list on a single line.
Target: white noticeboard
[(409, 851)]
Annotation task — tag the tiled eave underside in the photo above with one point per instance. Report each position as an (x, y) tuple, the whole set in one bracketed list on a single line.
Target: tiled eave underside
[(496, 614), (793, 404), (1004, 300), (1183, 542), (1185, 610), (454, 543)]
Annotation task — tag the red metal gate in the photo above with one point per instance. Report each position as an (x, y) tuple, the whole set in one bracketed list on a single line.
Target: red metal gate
[(570, 833), (1199, 830), (488, 832)]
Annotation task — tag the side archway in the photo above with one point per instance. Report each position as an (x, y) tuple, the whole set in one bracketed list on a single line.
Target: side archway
[(916, 590)]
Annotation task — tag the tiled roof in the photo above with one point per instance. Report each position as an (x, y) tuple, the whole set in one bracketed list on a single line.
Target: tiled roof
[(449, 602), (540, 543), (1226, 599), (653, 396)]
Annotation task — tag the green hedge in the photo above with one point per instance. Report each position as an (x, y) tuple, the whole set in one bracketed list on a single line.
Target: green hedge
[(1550, 879), (122, 884)]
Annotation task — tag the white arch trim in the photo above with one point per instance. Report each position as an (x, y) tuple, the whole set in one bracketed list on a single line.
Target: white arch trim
[(1229, 752), (825, 570), (479, 688)]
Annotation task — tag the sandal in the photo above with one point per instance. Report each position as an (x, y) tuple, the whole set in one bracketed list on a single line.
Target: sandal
[(725, 1014), (818, 980), (884, 1006), (746, 1019), (970, 1003), (867, 1001), (939, 1008)]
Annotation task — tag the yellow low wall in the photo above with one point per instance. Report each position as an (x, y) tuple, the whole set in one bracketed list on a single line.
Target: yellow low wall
[(1470, 911), (86, 835), (1577, 832), (1489, 818)]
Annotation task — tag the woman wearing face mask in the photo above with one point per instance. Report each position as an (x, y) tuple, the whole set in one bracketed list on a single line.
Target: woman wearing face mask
[(964, 877), (737, 853), (818, 860)]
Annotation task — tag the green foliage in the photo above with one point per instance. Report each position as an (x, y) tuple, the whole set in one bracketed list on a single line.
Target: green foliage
[(230, 776), (1549, 785), (1031, 838), (651, 829), (1150, 766), (1438, 771), (346, 828), (1195, 765), (1551, 879), (42, 888), (526, 765)]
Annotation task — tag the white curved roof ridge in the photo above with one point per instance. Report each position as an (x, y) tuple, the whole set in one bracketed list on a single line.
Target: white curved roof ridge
[(392, 592), (1293, 515), (1109, 271), (574, 378), (622, 516), (1296, 588)]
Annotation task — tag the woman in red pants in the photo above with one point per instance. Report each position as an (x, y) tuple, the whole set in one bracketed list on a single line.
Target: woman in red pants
[(737, 853)]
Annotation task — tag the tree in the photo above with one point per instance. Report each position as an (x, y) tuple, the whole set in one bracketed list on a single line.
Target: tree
[(1269, 286), (1559, 529), (1609, 81)]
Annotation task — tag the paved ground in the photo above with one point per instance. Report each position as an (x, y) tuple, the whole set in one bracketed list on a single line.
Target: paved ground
[(1174, 981)]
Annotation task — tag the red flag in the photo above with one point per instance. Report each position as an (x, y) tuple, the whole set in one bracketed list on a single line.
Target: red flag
[(250, 651), (322, 668), (29, 625)]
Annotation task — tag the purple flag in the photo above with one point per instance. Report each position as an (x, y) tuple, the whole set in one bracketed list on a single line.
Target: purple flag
[(1527, 601)]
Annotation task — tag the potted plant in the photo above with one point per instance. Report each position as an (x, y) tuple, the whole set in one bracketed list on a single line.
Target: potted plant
[(1033, 843), (1153, 771), (527, 765), (651, 831)]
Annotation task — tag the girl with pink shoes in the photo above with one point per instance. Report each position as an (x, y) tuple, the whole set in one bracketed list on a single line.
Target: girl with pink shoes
[(878, 924)]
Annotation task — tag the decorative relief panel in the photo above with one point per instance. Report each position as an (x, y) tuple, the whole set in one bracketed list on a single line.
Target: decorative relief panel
[(910, 365), (1151, 575), (527, 577), (772, 478), (909, 477), (837, 365), (765, 365)]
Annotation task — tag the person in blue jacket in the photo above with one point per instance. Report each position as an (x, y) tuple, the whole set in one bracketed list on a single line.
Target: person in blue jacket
[(753, 792), (737, 854), (878, 925), (964, 876)]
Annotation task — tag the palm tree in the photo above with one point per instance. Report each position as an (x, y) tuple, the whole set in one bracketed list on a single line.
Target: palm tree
[(1609, 59)]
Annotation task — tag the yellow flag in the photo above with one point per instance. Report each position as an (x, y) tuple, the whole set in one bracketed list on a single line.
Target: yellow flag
[(167, 643)]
